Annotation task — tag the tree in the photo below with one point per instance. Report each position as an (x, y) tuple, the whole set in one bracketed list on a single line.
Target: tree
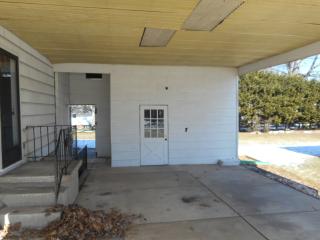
[(82, 109), (308, 68), (270, 98)]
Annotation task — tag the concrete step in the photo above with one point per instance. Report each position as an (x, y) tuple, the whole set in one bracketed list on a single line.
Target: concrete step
[(28, 194), (29, 217), (23, 179)]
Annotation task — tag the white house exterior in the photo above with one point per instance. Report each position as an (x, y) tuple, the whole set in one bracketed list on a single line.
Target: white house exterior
[(37, 91), (201, 105), (201, 114), (199, 129), (182, 112)]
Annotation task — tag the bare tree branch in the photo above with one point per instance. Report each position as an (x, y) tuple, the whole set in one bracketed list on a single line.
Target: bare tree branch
[(297, 67), (313, 66)]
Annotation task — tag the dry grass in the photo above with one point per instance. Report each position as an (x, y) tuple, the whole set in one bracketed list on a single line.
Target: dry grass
[(299, 174), (307, 173), (290, 137)]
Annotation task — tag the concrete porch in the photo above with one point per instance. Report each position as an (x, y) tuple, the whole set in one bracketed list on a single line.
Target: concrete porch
[(202, 202), (28, 191)]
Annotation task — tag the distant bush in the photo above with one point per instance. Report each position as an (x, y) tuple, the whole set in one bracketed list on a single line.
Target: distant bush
[(270, 99)]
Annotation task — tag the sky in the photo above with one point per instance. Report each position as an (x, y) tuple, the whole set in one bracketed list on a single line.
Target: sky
[(305, 66)]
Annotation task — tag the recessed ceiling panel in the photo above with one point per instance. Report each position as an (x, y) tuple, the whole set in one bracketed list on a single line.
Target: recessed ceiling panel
[(208, 14), (154, 37)]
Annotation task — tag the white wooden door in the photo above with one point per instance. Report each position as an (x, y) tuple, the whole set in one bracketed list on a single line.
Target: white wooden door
[(154, 135)]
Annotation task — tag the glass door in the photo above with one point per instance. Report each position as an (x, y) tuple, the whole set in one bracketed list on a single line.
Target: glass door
[(9, 109)]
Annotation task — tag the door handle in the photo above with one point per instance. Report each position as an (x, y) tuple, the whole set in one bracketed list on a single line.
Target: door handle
[(166, 139)]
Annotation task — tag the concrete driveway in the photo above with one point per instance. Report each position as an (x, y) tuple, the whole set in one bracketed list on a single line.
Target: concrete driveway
[(202, 202)]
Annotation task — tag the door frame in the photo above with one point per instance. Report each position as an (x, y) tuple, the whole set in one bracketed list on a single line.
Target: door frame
[(16, 58), (140, 131)]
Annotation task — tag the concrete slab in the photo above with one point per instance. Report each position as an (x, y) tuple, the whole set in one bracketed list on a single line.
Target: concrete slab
[(200, 170), (196, 202), (40, 168), (37, 172), (26, 188), (159, 204), (115, 182), (267, 198), (99, 167), (220, 229), (231, 176), (296, 226), (22, 189)]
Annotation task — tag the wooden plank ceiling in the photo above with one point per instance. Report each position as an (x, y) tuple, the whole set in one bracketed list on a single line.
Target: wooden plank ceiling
[(110, 31)]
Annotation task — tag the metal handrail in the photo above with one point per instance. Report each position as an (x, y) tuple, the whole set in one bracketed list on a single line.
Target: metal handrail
[(64, 154), (47, 136), (64, 148), (83, 155)]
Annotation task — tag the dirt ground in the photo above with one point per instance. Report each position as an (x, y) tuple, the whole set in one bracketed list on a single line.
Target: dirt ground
[(86, 135), (306, 173)]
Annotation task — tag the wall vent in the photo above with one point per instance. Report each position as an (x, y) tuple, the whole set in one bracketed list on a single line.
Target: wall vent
[(93, 76)]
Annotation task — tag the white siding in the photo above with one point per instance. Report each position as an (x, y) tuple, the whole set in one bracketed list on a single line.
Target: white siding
[(62, 99), (83, 91), (36, 86), (204, 100)]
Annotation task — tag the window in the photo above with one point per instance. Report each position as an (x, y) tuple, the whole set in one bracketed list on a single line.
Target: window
[(154, 123)]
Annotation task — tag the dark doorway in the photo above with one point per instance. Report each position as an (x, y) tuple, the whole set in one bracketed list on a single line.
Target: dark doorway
[(9, 109)]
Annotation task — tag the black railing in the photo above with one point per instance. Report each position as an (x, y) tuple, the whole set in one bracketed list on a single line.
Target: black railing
[(83, 155), (64, 154), (54, 142), (42, 140), (58, 143)]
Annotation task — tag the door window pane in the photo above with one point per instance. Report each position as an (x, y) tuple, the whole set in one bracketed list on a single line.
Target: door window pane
[(161, 133), (147, 113), (9, 107), (14, 104), (160, 113), (147, 133), (160, 123), (153, 133), (154, 123), (146, 123), (153, 113)]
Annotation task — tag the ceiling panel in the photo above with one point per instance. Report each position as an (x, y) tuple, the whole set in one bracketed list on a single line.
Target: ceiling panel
[(110, 31), (208, 14), (156, 37)]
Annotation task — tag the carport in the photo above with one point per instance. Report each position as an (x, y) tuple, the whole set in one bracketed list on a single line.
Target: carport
[(166, 89), (166, 72)]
